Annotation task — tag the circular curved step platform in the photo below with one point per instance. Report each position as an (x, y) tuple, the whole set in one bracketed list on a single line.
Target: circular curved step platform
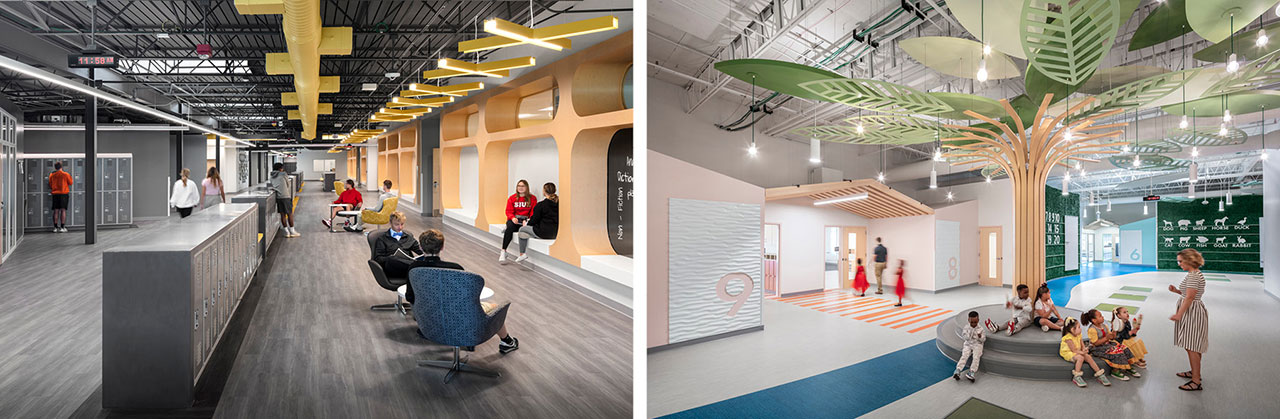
[(1031, 353)]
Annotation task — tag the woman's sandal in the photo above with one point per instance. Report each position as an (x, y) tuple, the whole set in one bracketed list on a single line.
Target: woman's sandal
[(1190, 386), (1186, 374)]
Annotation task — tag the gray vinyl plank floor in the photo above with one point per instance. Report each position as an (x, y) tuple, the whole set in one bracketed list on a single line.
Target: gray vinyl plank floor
[(312, 348)]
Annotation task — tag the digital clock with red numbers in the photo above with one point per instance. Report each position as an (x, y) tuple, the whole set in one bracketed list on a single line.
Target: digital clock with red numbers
[(91, 61)]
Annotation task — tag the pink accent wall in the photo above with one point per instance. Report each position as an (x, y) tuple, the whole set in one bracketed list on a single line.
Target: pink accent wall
[(907, 238), (669, 178), (965, 213)]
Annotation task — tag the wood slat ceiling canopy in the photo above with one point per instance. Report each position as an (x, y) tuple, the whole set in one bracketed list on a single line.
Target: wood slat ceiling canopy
[(881, 202)]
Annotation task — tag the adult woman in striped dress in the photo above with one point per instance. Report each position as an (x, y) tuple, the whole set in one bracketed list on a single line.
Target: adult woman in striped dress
[(1191, 321)]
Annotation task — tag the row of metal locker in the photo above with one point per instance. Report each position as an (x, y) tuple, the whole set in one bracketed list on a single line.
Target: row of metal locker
[(222, 271), (116, 208), (114, 173)]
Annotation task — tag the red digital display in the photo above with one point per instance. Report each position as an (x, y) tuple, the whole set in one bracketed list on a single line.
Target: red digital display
[(91, 61)]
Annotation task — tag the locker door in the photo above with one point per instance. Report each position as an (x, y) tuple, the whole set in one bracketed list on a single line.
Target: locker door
[(108, 174), (124, 213), (34, 178), (197, 295), (125, 174), (33, 210), (77, 174), (77, 208), (108, 208), (46, 167), (46, 209)]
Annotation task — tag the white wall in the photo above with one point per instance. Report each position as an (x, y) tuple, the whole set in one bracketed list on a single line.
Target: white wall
[(995, 208), (800, 254), (307, 157), (967, 214), (469, 180), (536, 161), (370, 166), (1270, 230), (907, 238)]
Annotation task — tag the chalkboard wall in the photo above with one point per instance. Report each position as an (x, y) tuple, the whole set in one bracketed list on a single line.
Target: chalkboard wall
[(1056, 209), (621, 190), (1228, 240)]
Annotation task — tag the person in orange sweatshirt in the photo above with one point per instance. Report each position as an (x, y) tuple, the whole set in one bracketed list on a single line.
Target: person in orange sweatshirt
[(60, 189), (519, 209)]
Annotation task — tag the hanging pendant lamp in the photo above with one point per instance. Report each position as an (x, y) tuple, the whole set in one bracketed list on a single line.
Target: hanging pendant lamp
[(1191, 173)]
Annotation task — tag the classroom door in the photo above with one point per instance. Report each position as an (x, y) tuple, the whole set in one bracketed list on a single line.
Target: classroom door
[(852, 239), (772, 240), (832, 268), (991, 256)]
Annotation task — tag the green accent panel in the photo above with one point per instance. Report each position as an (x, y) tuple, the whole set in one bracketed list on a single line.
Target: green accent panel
[(1001, 31), (875, 95), (1246, 48), (1207, 137), (1214, 276), (961, 102), (1223, 279), (779, 76), (1106, 308), (1150, 162), (979, 409), (1056, 208), (1139, 93), (848, 134), (1166, 22), (1068, 45), (1109, 78), (1232, 245), (1132, 288), (1261, 72), (958, 57), (1239, 104), (1152, 147), (1129, 297), (1038, 85), (1211, 18)]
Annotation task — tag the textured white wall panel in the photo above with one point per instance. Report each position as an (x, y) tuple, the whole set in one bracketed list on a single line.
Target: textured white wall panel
[(713, 243), (946, 254)]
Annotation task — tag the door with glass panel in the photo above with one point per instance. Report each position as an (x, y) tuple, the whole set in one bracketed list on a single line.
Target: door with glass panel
[(852, 239), (991, 256), (8, 184), (772, 239)]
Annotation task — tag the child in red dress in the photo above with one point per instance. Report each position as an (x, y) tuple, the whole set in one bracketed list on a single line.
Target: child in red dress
[(860, 280), (901, 288)]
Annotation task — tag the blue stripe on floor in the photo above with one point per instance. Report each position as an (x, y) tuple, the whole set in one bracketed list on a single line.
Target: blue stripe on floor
[(847, 392), (1060, 288)]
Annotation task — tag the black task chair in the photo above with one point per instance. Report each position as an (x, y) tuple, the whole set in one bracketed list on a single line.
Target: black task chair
[(392, 284)]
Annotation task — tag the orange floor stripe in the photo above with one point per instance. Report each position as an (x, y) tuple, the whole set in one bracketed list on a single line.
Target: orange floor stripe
[(806, 296), (944, 313), (867, 316), (926, 326), (859, 302), (869, 308), (900, 311), (850, 310), (920, 315), (818, 302)]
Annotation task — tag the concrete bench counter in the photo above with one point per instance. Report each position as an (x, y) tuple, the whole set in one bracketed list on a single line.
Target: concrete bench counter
[(166, 301)]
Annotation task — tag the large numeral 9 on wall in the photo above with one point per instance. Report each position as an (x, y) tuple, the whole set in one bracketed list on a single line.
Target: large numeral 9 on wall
[(722, 290)]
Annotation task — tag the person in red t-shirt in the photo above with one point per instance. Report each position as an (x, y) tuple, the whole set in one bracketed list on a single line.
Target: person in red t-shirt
[(350, 200), (519, 209), (60, 189)]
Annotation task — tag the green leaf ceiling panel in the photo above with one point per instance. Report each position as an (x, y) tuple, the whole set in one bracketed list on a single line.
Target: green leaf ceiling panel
[(1166, 22), (1153, 147), (1038, 85), (1261, 72), (1239, 103), (1246, 47), (1207, 137), (1139, 93), (1001, 31), (992, 170), (1194, 89), (875, 95), (1068, 45), (848, 134), (957, 57), (1211, 19), (1150, 162), (961, 102), (1109, 78), (779, 76)]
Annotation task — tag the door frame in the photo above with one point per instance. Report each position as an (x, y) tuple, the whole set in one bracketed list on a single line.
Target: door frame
[(843, 263), (777, 291), (983, 264)]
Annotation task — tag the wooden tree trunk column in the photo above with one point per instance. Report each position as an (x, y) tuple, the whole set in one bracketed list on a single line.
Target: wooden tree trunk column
[(1028, 217)]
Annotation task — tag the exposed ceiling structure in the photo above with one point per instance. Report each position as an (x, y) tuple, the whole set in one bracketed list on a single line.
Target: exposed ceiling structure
[(393, 42), (874, 40)]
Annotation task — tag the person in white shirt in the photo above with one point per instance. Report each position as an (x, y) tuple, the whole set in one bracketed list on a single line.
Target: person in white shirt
[(384, 194), (1021, 313), (186, 194), (973, 336)]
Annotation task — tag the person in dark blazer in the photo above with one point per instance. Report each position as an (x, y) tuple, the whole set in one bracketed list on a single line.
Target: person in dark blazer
[(387, 243)]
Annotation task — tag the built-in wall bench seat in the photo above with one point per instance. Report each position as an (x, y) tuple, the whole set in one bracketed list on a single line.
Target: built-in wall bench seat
[(606, 278)]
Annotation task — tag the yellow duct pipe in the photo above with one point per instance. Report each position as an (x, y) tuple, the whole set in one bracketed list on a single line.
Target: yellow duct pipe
[(301, 23)]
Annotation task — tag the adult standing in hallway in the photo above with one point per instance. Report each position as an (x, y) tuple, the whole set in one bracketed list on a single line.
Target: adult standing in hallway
[(186, 195), (882, 259), (279, 182), (214, 193), (60, 192), (1191, 320)]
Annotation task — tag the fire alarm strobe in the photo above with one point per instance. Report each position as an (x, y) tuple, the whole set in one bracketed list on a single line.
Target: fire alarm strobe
[(204, 51)]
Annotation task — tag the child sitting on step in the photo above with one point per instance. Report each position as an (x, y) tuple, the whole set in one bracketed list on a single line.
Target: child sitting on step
[(1021, 313), (1102, 344), (973, 337), (1046, 314), (1072, 349), (1127, 333)]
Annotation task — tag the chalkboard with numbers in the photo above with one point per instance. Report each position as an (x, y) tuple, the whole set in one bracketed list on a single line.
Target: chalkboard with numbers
[(1228, 239), (621, 190), (1056, 209)]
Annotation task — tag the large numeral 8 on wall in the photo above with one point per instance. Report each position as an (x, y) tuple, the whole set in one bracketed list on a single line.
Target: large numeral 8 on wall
[(722, 290)]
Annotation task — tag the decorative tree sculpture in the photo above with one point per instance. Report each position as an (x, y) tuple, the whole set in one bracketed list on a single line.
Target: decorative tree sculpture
[(1026, 154)]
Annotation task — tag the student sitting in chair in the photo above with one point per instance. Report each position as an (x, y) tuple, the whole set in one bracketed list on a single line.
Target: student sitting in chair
[(432, 244), (384, 194), (348, 201), (396, 249)]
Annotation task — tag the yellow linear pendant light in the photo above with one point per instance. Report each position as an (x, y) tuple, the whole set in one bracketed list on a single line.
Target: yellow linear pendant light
[(405, 112), (435, 102), (453, 68), (553, 37), (458, 90)]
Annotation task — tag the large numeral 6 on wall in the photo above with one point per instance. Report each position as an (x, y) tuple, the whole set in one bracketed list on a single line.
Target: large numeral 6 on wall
[(722, 290)]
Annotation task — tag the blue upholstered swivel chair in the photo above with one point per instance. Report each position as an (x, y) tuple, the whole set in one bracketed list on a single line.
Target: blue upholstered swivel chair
[(448, 312)]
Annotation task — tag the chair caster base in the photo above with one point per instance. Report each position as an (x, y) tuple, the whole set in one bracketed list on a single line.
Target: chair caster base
[(457, 366)]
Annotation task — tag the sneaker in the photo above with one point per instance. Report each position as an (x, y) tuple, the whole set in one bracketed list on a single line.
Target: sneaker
[(1012, 325), (1079, 381), (1119, 375), (327, 223), (1134, 373), (1102, 377), (956, 375), (898, 305), (505, 347), (879, 292), (969, 375), (522, 258), (1044, 328), (295, 232), (502, 257), (991, 326)]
